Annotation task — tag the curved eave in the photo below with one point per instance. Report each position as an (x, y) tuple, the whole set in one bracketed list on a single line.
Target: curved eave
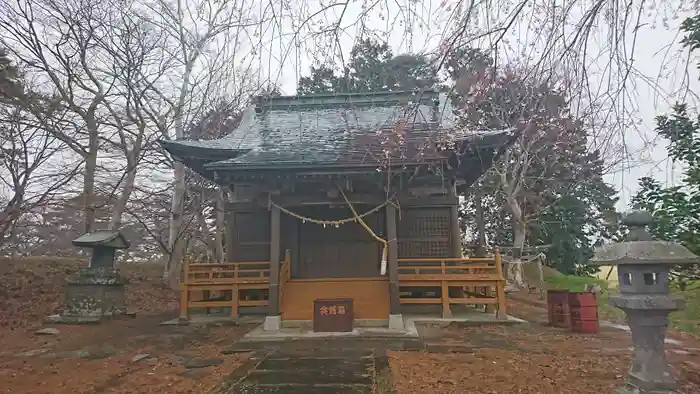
[(475, 156), (206, 150), (196, 155)]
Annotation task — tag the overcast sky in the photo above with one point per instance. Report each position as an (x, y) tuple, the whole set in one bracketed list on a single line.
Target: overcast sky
[(658, 71)]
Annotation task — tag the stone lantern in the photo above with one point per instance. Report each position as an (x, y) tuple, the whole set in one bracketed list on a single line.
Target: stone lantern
[(97, 291), (643, 270)]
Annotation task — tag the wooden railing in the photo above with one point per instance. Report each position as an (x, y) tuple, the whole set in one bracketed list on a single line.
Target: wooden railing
[(229, 279), (475, 281), (285, 272), (227, 273)]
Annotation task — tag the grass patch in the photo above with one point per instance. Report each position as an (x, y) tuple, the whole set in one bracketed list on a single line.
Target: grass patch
[(572, 282), (686, 320), (578, 283)]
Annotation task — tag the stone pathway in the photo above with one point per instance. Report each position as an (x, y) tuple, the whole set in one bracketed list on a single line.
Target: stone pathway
[(316, 372)]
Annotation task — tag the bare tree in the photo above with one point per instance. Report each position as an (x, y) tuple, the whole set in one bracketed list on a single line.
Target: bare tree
[(542, 150), (57, 40), (131, 73), (34, 170), (203, 39)]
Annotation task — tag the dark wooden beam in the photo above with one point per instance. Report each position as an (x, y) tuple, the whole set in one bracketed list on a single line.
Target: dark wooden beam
[(243, 206), (273, 308), (392, 260), (305, 200), (454, 222), (230, 233), (432, 201)]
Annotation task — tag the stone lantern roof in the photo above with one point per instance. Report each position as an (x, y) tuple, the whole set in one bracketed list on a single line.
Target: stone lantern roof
[(640, 248)]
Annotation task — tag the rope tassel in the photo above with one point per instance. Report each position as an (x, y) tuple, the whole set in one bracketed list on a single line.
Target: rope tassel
[(384, 243)]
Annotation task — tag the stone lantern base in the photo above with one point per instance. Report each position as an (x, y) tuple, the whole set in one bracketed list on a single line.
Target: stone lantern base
[(92, 295)]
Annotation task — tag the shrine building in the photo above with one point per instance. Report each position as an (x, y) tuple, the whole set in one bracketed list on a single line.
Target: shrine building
[(344, 205)]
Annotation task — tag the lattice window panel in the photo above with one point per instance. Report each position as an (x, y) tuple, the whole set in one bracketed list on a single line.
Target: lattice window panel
[(424, 232), (421, 223)]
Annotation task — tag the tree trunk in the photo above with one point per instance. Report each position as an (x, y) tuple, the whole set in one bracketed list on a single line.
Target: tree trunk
[(118, 212), (176, 242), (9, 216), (89, 177), (203, 231), (514, 269), (479, 218), (220, 225)]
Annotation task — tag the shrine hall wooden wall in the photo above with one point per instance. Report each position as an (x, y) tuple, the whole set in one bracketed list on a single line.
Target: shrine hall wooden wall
[(344, 251)]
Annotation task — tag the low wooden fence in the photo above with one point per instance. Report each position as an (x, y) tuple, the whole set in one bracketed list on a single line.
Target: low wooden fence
[(477, 280), (228, 279)]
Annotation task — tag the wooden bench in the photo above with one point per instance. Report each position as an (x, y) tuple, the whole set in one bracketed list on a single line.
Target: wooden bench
[(479, 281)]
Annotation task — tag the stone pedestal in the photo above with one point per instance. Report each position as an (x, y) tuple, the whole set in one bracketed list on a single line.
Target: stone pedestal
[(647, 317), (93, 294)]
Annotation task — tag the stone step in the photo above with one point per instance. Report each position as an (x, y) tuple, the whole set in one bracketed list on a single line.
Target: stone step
[(320, 364), (332, 376), (327, 345), (303, 389)]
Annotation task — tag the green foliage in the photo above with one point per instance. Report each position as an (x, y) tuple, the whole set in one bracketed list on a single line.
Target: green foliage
[(372, 67), (676, 209)]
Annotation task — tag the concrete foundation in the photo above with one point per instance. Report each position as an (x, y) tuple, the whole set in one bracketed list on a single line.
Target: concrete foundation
[(396, 322), (277, 330), (272, 323)]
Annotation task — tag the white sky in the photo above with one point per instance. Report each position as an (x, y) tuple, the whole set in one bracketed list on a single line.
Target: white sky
[(658, 68), (421, 26)]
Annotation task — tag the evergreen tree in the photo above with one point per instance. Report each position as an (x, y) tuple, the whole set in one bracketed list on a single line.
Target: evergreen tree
[(372, 67)]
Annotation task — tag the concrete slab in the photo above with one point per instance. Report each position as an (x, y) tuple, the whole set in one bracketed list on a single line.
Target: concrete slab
[(303, 330), (284, 333), (476, 318), (625, 327), (214, 319)]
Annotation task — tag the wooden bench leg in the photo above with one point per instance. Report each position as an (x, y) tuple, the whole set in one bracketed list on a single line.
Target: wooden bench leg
[(445, 295), (234, 301), (184, 303)]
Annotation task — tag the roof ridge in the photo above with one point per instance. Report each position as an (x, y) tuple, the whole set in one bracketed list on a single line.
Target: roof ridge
[(264, 103)]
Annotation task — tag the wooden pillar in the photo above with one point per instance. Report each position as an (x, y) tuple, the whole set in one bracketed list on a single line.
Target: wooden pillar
[(455, 239), (500, 287), (230, 234), (273, 308), (392, 260), (456, 232)]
